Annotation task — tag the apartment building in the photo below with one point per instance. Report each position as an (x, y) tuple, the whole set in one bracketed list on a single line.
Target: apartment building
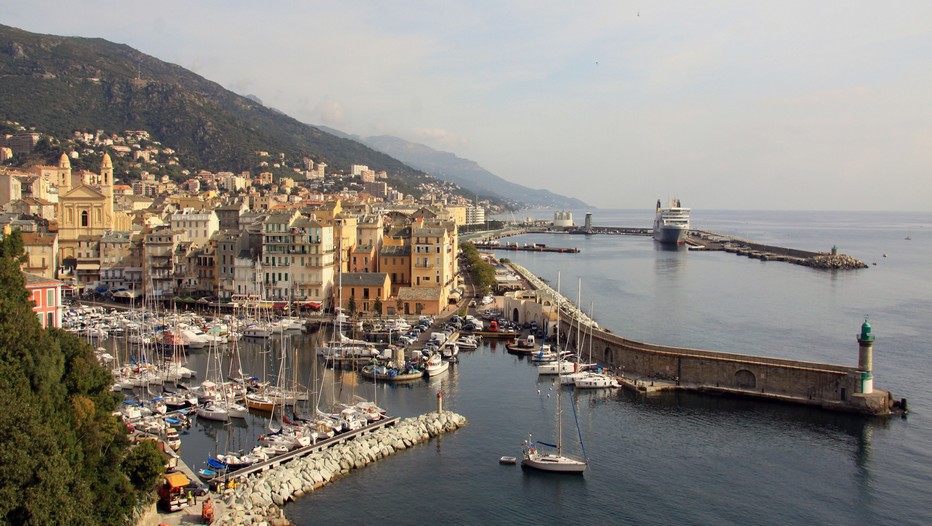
[(41, 254), (46, 298), (197, 226), (364, 289), (297, 258), (159, 247)]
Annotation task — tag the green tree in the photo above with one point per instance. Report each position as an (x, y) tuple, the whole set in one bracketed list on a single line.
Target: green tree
[(351, 307), (144, 465), (62, 448), (377, 306)]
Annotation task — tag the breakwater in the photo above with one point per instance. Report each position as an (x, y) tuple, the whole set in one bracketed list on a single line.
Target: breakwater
[(649, 367), (260, 496), (699, 240)]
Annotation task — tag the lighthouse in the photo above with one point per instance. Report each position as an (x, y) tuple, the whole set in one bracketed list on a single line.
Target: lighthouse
[(865, 357)]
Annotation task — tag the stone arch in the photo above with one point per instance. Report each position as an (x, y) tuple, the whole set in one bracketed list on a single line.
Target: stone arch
[(607, 356), (515, 316), (745, 379)]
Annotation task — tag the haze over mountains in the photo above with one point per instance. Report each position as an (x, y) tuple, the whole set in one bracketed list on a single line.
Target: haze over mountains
[(60, 84), (463, 172)]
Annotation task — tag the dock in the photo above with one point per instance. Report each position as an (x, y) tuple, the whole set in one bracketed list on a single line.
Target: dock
[(317, 447), (527, 248)]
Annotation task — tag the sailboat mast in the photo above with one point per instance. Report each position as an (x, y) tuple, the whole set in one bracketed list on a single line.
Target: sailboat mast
[(559, 376)]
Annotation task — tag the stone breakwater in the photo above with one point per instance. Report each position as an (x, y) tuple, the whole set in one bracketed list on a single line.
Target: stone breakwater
[(835, 261), (259, 499)]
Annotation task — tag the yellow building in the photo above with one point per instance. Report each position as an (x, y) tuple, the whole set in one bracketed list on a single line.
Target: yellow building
[(86, 211), (344, 234), (365, 288), (41, 254)]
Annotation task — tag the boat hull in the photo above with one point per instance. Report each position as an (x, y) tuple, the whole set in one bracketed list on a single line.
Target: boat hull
[(670, 235), (434, 370), (554, 464)]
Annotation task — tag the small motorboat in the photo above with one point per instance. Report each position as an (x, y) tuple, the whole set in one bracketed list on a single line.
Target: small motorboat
[(207, 474), (508, 460)]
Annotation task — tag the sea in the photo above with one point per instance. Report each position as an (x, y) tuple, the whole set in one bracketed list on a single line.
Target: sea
[(672, 458)]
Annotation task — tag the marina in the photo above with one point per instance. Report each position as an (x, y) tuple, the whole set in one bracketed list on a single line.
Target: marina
[(490, 351)]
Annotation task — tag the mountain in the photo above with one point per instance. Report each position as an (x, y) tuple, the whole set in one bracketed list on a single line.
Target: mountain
[(61, 84), (462, 172)]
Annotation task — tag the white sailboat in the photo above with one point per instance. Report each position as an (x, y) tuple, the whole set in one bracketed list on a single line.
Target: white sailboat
[(555, 462)]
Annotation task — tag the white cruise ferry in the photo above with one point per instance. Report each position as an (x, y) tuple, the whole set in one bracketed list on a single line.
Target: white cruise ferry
[(671, 224)]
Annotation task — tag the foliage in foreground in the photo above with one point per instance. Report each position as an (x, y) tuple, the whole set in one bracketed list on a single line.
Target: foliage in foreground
[(62, 451)]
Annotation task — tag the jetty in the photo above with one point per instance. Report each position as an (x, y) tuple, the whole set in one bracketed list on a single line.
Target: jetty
[(702, 240), (646, 367), (255, 495), (696, 240), (261, 489), (537, 247)]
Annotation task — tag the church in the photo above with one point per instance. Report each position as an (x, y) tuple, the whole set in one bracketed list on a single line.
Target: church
[(85, 214)]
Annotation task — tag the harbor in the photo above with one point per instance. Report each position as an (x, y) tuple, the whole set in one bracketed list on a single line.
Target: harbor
[(653, 382), (684, 457)]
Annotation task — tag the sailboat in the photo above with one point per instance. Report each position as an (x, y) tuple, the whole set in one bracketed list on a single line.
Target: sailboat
[(554, 462)]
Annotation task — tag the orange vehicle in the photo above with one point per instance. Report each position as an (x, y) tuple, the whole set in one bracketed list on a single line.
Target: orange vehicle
[(207, 511)]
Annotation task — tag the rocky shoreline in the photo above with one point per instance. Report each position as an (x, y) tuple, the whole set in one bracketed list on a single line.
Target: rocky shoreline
[(258, 500)]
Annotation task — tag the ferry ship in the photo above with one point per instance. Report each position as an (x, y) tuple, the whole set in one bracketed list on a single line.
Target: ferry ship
[(671, 224)]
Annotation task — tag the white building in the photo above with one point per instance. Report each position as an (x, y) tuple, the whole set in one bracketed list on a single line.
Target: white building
[(475, 215), (197, 226), (562, 219)]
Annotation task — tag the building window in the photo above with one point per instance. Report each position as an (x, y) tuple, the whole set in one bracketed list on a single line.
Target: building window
[(84, 218), (51, 320), (50, 298)]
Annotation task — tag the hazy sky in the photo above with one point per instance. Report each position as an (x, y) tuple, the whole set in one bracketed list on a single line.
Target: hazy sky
[(726, 105)]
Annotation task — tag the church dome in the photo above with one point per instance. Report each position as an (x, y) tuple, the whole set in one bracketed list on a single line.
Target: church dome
[(106, 162)]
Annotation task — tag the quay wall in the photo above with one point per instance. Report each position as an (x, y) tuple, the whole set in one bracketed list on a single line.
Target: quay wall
[(830, 386), (757, 247)]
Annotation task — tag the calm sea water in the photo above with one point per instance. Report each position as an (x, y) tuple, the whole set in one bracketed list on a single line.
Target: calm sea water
[(670, 459)]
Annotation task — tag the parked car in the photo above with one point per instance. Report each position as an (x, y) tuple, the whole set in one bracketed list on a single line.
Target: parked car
[(196, 488)]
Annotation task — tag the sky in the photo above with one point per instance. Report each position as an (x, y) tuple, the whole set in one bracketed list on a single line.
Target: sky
[(789, 105)]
